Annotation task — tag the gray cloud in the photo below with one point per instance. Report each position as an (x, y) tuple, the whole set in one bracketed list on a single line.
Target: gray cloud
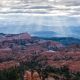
[(58, 7)]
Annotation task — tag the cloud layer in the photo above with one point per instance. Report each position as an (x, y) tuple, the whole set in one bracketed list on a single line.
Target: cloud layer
[(55, 7)]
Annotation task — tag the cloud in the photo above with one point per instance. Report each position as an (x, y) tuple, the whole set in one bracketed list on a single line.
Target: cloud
[(55, 7)]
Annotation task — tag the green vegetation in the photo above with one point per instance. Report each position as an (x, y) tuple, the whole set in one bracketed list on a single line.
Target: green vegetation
[(17, 73), (10, 74)]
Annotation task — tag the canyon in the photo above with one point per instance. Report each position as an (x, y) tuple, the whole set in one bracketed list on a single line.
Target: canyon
[(36, 53)]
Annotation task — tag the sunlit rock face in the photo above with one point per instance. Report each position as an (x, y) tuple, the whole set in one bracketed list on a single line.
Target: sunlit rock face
[(36, 76), (56, 7), (27, 75), (31, 75)]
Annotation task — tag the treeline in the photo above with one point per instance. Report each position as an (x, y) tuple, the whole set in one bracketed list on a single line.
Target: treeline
[(63, 71), (10, 74), (18, 73), (41, 67)]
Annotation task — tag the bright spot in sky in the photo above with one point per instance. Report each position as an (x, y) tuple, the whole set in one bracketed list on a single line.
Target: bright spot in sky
[(51, 0)]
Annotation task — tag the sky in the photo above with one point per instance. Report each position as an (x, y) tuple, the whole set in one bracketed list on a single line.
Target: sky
[(60, 16), (56, 7)]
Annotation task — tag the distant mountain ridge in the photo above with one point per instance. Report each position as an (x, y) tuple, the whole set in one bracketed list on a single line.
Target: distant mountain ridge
[(64, 40), (45, 34), (14, 36)]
